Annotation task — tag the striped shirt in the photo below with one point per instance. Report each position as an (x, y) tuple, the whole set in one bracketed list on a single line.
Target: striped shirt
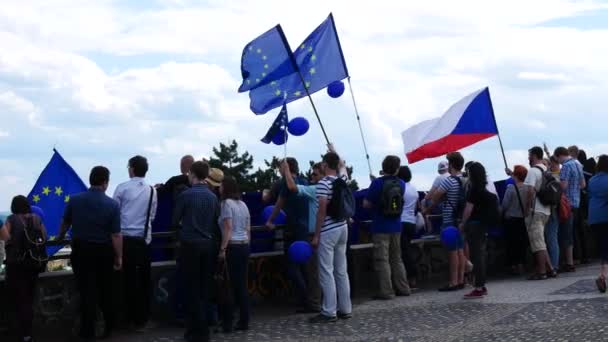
[(325, 189), (572, 172), (452, 188)]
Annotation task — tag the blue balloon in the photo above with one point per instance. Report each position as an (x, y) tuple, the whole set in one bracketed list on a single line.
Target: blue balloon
[(450, 237), (280, 219), (280, 138), (298, 126), (299, 252), (335, 89)]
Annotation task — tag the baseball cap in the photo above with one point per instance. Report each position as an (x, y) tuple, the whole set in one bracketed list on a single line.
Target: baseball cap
[(443, 166)]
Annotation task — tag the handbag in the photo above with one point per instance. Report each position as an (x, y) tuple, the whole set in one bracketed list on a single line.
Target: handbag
[(223, 285)]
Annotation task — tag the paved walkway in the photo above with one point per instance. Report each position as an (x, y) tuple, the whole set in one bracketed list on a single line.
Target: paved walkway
[(565, 309)]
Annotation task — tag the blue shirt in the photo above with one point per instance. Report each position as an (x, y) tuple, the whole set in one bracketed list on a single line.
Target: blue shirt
[(598, 198), (297, 210), (381, 223), (198, 210), (310, 193), (572, 172), (93, 216)]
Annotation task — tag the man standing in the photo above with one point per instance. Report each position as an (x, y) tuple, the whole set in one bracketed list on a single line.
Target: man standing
[(298, 222), (198, 210), (385, 197), (537, 215), (179, 183), (572, 181), (451, 192), (330, 239), (137, 202), (96, 248)]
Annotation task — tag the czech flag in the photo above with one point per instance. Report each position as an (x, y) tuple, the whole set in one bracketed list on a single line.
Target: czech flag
[(467, 122)]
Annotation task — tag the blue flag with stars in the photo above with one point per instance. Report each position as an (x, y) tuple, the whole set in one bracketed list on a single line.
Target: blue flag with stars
[(319, 60), (279, 124), (265, 59), (57, 182)]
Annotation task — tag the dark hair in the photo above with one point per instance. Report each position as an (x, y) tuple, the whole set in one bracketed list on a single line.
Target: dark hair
[(537, 152), (405, 174), (590, 166), (200, 170), (332, 159), (20, 205), (477, 176), (139, 165), (554, 159), (602, 163), (293, 165), (317, 166), (230, 189), (561, 152), (582, 156), (99, 175), (455, 160), (573, 151), (390, 165)]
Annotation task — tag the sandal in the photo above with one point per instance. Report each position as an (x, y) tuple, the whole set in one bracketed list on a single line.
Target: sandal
[(601, 284), (537, 276)]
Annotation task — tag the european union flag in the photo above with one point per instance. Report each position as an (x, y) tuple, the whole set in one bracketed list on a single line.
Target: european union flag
[(57, 182), (319, 61), (279, 123), (265, 59)]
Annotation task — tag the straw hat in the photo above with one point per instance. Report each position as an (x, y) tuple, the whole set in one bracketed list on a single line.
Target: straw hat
[(215, 178)]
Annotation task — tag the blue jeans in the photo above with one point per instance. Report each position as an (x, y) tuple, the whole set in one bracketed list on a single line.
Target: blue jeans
[(551, 238)]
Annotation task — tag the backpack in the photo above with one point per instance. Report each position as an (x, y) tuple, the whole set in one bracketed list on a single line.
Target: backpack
[(564, 209), (342, 204), (28, 249), (458, 207), (550, 191), (391, 199)]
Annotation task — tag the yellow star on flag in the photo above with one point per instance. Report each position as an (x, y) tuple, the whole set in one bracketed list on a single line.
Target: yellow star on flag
[(297, 93), (278, 92), (312, 71), (265, 66), (248, 81), (313, 58), (67, 199), (46, 190), (257, 80), (58, 191), (259, 50), (310, 49), (264, 57), (36, 198), (307, 84), (303, 46), (263, 74), (273, 83), (250, 48)]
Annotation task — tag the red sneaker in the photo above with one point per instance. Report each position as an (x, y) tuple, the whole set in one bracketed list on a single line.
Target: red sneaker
[(475, 294)]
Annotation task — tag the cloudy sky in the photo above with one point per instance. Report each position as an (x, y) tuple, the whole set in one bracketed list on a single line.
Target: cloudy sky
[(105, 80)]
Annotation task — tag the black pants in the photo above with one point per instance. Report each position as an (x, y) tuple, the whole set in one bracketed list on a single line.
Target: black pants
[(237, 257), (196, 260), (476, 237), (580, 235), (407, 234), (20, 286), (517, 240), (136, 280), (93, 269)]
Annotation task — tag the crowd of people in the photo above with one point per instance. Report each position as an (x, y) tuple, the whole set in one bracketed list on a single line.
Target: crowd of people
[(545, 209)]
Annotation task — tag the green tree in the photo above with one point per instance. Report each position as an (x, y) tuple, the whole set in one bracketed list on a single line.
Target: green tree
[(228, 159), (264, 178)]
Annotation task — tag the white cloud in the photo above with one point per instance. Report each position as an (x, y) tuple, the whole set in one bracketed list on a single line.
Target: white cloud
[(107, 79)]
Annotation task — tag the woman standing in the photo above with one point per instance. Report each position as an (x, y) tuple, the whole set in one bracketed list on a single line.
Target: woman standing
[(236, 233), (515, 226), (598, 215), (20, 279), (480, 212)]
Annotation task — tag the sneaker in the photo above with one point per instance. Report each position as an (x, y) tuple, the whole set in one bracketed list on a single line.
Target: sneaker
[(449, 288), (601, 284), (476, 294), (320, 318), (345, 315)]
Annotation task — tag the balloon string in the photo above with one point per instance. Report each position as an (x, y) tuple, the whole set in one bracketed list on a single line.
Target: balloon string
[(350, 88)]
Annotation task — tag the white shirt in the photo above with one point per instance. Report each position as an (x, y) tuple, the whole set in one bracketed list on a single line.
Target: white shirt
[(410, 199), (535, 179), (133, 197)]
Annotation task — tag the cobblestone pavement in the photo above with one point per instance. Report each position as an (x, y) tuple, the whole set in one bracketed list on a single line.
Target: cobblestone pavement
[(565, 309)]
